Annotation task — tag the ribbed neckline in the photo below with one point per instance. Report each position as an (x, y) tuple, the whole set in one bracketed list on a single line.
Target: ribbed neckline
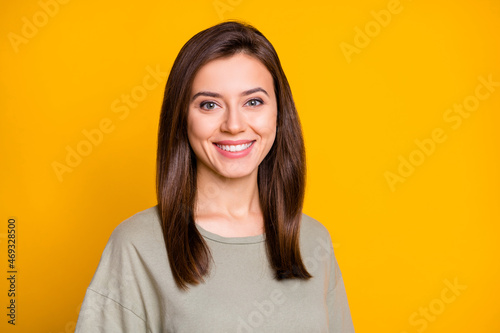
[(231, 240)]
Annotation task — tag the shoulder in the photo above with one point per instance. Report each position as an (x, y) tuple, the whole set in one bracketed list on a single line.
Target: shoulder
[(139, 227), (122, 275), (132, 243), (313, 232), (312, 227)]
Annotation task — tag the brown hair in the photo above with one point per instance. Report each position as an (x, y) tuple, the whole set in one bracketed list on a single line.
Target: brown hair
[(281, 175)]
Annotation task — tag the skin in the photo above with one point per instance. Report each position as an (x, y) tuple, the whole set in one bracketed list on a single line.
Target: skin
[(227, 199)]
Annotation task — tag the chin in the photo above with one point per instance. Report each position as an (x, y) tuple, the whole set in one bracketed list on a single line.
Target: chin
[(238, 174)]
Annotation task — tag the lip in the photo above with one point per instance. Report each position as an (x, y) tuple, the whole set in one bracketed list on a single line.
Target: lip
[(235, 154), (231, 142)]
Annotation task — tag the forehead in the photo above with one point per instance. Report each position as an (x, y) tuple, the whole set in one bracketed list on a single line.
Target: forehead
[(233, 74)]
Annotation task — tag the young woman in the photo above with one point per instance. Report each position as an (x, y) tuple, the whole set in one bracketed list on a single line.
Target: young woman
[(227, 248)]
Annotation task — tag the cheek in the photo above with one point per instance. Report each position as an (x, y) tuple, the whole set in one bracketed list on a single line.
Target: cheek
[(193, 127), (198, 130), (267, 125)]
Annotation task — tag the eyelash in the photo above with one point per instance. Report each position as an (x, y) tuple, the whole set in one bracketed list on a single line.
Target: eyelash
[(202, 104)]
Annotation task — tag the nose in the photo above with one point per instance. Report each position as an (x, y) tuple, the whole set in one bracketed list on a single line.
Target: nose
[(234, 120)]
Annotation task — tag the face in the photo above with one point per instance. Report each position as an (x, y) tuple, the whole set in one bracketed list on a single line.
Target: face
[(232, 116)]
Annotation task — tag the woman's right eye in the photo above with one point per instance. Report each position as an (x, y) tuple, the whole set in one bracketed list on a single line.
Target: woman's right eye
[(208, 105)]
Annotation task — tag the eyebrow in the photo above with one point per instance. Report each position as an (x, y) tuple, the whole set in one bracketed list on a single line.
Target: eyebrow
[(217, 95)]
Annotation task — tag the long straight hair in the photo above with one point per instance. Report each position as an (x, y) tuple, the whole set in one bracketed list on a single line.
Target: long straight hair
[(281, 175)]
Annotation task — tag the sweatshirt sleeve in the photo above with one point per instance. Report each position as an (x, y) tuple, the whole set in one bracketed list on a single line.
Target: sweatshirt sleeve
[(100, 313), (113, 301), (340, 320)]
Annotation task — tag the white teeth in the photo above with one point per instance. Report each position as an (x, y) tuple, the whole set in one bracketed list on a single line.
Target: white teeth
[(233, 148)]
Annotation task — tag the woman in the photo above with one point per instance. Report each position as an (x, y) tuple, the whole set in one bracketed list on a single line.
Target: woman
[(222, 251)]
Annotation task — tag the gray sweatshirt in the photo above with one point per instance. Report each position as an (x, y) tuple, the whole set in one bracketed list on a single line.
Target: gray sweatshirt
[(133, 289)]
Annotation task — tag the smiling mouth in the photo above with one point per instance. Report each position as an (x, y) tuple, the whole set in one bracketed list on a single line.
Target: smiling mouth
[(235, 148)]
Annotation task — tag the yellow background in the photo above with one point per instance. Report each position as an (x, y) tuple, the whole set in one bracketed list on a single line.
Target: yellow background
[(360, 114)]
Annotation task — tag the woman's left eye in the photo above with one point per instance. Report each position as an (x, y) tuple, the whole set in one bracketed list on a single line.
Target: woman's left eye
[(255, 102)]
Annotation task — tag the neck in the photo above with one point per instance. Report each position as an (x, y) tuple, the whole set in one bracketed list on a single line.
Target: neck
[(232, 199)]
